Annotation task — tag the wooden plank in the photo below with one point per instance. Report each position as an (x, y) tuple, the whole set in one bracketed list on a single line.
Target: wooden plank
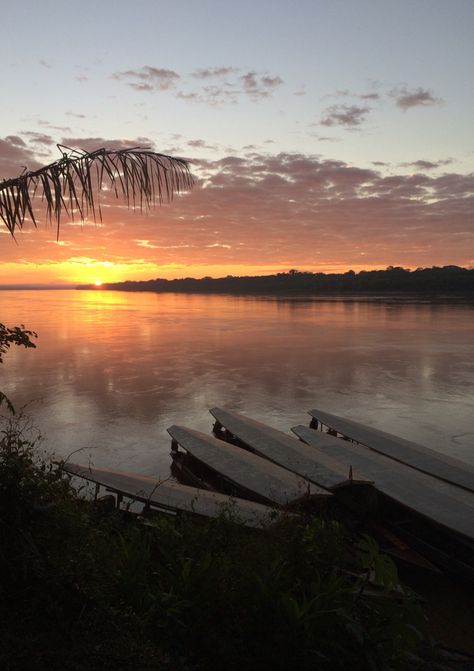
[(439, 501), (286, 451), (417, 456), (172, 496), (269, 482)]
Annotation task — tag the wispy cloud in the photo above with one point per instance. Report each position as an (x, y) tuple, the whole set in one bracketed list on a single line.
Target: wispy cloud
[(426, 165), (93, 143), (200, 144), (231, 86), (213, 95), (209, 73), (48, 124), (345, 93), (348, 116), (406, 99), (76, 115), (150, 245), (369, 96), (259, 86), (214, 86), (149, 78), (39, 138)]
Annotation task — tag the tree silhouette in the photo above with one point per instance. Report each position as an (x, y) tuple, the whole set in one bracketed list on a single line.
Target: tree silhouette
[(71, 185)]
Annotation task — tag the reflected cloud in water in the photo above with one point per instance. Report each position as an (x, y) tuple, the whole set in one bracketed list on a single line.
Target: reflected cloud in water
[(113, 370)]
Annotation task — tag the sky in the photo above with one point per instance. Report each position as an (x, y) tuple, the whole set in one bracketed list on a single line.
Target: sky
[(324, 135)]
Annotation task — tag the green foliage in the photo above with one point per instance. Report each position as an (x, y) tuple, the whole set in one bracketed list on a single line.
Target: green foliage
[(72, 184), (80, 588), (17, 335), (29, 482)]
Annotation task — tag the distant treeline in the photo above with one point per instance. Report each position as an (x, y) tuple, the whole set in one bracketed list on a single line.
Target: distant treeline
[(295, 282)]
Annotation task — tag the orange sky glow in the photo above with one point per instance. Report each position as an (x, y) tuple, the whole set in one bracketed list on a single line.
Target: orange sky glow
[(339, 138), (256, 215)]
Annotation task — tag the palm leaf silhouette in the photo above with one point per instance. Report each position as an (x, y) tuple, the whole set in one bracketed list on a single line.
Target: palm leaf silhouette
[(71, 184)]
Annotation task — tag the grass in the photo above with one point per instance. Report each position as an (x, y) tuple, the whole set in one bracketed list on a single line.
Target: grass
[(81, 588)]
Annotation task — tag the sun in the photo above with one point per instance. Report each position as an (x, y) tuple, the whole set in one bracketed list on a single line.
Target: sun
[(98, 283)]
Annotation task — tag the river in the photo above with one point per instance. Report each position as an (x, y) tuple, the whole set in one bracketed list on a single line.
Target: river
[(113, 370)]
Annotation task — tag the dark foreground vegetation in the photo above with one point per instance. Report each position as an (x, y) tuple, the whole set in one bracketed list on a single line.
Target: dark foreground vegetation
[(395, 280), (86, 588)]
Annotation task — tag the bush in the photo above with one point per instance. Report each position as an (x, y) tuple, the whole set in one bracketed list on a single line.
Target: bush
[(89, 590)]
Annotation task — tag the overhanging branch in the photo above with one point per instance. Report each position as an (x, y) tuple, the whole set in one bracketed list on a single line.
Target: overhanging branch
[(71, 185)]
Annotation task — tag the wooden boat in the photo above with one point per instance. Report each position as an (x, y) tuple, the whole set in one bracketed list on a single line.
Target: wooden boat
[(284, 450), (354, 492), (240, 472), (438, 514), (417, 456), (169, 496)]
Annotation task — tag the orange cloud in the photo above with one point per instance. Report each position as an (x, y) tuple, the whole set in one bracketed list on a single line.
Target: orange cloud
[(259, 214)]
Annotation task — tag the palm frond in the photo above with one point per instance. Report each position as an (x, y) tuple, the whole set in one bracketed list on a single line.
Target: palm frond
[(71, 185)]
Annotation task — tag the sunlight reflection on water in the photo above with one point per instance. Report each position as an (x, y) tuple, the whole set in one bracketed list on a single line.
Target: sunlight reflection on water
[(113, 370)]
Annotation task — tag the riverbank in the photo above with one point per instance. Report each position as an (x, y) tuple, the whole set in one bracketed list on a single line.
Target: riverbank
[(393, 280), (106, 589), (103, 589)]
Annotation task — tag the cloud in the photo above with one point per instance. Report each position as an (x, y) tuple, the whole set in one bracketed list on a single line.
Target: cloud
[(264, 204), (199, 144), (15, 140), (324, 138), (349, 116), (426, 165), (265, 211), (39, 138), (149, 245), (227, 89), (253, 85), (369, 96), (76, 115), (47, 124), (16, 157), (345, 93), (93, 143), (404, 97), (213, 95), (259, 86), (209, 73), (149, 78), (419, 97)]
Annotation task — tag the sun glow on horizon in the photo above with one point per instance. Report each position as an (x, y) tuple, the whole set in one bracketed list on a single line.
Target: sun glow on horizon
[(98, 283)]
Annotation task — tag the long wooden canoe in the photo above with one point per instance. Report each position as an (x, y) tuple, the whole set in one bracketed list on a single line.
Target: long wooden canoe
[(250, 474), (285, 451), (171, 496), (417, 456), (442, 503)]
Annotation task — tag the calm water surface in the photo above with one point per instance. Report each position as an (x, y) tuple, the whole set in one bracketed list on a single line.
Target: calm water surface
[(112, 370)]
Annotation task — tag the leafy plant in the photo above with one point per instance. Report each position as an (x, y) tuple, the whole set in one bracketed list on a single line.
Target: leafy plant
[(89, 589), (70, 184), (17, 335)]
